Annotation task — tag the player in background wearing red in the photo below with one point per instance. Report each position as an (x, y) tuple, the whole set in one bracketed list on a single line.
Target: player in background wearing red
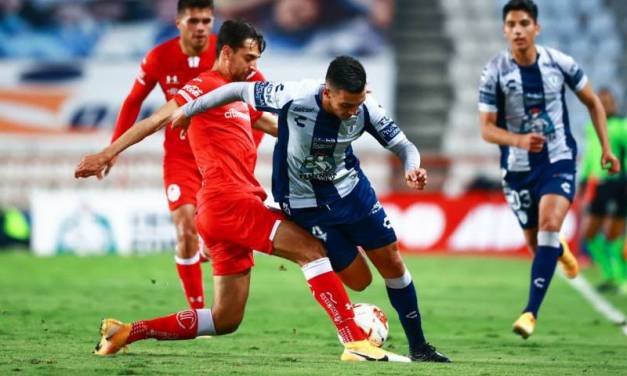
[(172, 64), (231, 217)]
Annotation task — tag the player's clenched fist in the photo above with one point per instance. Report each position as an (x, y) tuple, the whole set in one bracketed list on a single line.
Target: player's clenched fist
[(533, 142), (416, 179), (92, 165)]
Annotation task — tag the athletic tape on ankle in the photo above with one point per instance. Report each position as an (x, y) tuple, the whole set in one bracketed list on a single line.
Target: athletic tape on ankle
[(206, 326), (400, 282), (317, 267), (189, 261), (548, 239)]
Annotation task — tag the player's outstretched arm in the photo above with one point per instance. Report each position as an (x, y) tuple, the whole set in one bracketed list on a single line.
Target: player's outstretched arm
[(267, 123), (490, 132), (599, 120), (96, 164)]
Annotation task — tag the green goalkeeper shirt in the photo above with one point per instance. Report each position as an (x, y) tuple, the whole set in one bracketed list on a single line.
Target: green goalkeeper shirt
[(617, 134)]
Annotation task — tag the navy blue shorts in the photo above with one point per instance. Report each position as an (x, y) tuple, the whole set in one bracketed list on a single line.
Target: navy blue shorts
[(355, 220), (523, 190)]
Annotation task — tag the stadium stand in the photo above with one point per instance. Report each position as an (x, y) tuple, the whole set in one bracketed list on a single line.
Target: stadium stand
[(422, 89)]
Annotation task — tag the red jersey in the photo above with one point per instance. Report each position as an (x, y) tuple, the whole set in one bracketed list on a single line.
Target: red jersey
[(222, 140), (169, 66)]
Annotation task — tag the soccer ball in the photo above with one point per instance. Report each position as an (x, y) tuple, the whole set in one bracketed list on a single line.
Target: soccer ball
[(373, 321)]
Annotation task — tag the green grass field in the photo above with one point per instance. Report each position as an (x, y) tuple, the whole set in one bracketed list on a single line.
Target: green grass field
[(50, 309)]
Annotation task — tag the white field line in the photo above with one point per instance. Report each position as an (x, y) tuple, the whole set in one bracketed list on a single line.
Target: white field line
[(598, 302)]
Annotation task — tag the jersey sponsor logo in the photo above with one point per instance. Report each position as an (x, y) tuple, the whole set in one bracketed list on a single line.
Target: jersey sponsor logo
[(318, 167), (193, 90), (538, 121), (376, 208), (235, 114), (302, 109), (390, 131), (263, 93), (173, 192), (171, 80)]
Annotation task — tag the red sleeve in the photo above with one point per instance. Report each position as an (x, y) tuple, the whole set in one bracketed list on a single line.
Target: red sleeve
[(143, 85)]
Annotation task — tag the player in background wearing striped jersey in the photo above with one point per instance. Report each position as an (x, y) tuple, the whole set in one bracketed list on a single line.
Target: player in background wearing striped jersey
[(523, 110), (232, 218), (603, 224), (317, 180)]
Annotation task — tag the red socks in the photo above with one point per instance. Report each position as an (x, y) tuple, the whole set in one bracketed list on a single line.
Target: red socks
[(328, 290), (190, 274), (182, 325)]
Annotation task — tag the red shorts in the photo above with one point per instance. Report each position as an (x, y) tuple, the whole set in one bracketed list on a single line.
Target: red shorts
[(232, 226), (182, 181)]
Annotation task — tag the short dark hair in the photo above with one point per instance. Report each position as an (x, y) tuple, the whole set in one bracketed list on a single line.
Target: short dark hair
[(187, 4), (346, 73), (527, 6), (234, 33)]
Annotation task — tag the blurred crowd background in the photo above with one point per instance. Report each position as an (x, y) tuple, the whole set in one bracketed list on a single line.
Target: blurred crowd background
[(66, 66), (68, 29)]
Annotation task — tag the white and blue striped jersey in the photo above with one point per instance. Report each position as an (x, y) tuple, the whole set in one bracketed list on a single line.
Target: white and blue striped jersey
[(532, 99), (313, 161)]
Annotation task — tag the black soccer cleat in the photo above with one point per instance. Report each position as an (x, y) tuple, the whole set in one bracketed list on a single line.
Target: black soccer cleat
[(427, 353)]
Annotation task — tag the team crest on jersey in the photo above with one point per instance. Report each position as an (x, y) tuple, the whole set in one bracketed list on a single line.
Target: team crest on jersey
[(171, 80)]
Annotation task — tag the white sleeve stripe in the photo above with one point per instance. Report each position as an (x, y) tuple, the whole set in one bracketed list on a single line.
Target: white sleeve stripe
[(398, 138), (487, 108), (141, 81), (582, 83)]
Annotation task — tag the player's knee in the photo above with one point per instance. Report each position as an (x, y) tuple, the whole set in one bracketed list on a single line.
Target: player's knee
[(187, 241), (360, 283), (313, 250), (551, 224)]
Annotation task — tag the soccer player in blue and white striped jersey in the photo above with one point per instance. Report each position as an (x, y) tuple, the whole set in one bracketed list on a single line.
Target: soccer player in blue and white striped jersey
[(319, 184), (522, 109)]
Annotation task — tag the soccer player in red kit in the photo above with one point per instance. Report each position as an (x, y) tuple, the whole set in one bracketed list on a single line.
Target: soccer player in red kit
[(172, 64), (232, 218)]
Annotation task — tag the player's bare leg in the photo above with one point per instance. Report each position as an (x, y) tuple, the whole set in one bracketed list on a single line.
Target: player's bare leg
[(552, 211), (230, 294), (187, 256), (402, 295), (356, 276), (295, 244), (224, 317)]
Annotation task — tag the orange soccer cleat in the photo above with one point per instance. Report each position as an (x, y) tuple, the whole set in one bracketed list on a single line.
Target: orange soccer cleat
[(113, 337), (567, 260)]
